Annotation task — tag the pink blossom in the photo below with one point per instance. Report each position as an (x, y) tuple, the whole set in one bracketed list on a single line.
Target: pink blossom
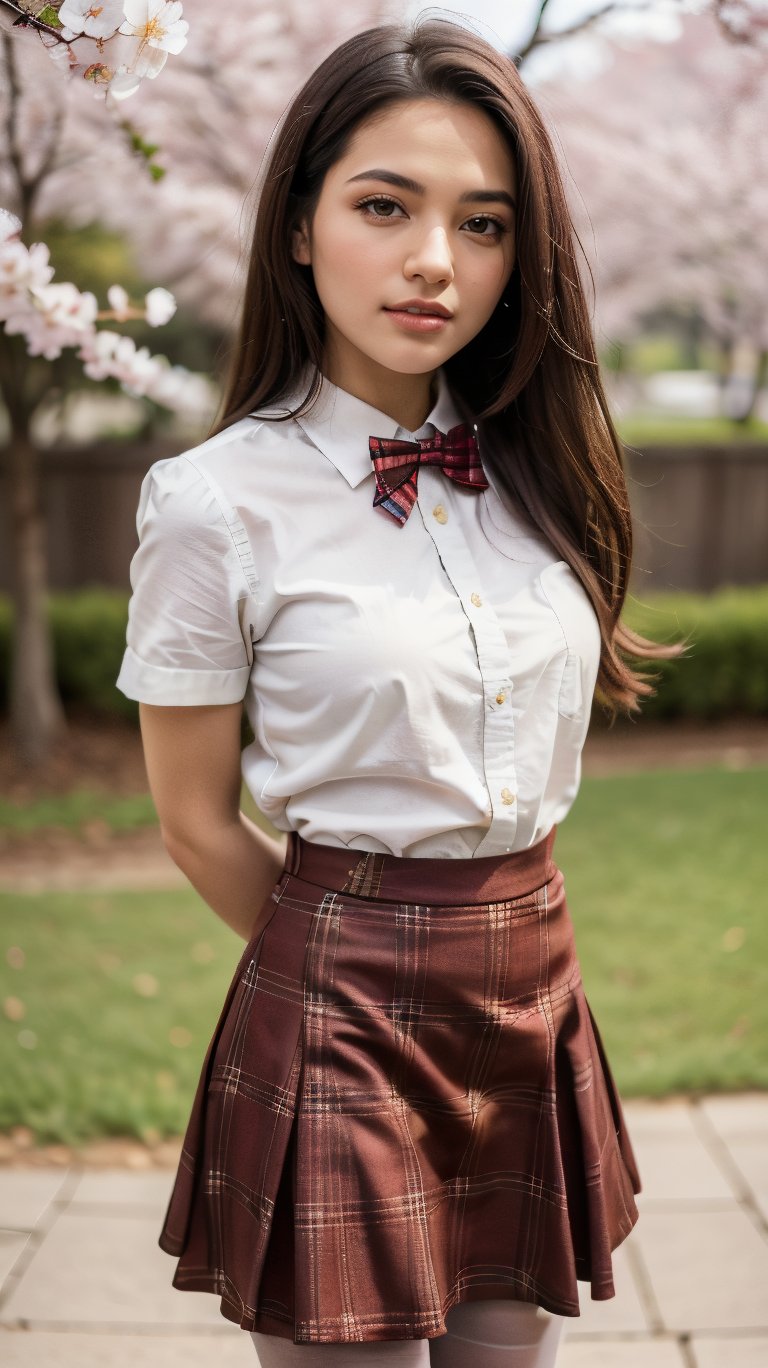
[(108, 354), (21, 269), (66, 306), (118, 301), (44, 337), (98, 352)]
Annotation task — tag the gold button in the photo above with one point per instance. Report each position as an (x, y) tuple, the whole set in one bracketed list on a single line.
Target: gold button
[(506, 796), (476, 599), (500, 697), (439, 512)]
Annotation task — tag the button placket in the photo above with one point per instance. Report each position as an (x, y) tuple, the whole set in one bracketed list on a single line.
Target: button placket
[(492, 652)]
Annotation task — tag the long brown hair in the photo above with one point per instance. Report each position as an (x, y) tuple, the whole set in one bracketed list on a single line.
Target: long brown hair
[(530, 378)]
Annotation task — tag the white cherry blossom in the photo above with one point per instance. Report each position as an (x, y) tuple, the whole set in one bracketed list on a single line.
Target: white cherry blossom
[(106, 353), (160, 306), (119, 301), (178, 388), (10, 225), (94, 20), (65, 305), (123, 84), (98, 352), (52, 317), (59, 52), (42, 337), (144, 375), (21, 269), (160, 29)]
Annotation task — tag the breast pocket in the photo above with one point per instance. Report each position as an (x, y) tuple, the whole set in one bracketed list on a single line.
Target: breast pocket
[(579, 625)]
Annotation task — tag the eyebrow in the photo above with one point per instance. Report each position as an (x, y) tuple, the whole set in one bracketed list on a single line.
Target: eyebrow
[(405, 183)]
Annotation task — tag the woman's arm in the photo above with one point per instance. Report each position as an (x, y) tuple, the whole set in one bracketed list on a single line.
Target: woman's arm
[(192, 755)]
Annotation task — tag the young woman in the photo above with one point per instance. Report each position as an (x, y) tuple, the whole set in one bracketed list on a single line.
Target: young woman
[(405, 549)]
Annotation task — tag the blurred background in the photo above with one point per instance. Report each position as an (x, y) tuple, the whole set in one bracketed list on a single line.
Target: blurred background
[(659, 112), (112, 970)]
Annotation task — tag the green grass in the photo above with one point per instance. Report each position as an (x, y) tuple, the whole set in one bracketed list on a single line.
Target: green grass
[(651, 352), (76, 810), (665, 880), (668, 430), (92, 1054), (665, 874)]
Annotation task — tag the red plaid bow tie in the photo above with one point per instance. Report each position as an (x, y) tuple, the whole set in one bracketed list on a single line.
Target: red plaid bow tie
[(397, 462)]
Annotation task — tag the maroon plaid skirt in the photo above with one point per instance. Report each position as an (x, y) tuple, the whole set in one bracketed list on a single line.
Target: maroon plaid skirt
[(405, 1104)]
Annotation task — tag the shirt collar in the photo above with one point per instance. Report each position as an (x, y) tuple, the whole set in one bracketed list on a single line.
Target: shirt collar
[(340, 424)]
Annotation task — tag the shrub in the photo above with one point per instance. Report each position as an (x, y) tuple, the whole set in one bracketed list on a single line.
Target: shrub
[(88, 632), (725, 670)]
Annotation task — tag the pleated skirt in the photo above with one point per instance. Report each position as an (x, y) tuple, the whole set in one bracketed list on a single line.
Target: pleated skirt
[(405, 1104)]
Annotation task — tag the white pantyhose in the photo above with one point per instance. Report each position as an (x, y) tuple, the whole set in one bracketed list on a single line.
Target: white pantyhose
[(497, 1334), (481, 1334)]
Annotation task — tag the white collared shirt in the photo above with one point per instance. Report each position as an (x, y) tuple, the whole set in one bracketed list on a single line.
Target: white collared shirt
[(421, 690)]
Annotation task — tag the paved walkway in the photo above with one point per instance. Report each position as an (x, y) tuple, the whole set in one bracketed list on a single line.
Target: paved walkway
[(85, 1285)]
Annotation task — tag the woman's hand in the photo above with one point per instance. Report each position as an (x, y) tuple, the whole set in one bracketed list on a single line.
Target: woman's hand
[(192, 756)]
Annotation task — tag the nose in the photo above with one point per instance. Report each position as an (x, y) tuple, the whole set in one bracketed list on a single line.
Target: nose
[(430, 257)]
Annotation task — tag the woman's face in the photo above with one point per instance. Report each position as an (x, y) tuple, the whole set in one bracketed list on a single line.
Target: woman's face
[(418, 213)]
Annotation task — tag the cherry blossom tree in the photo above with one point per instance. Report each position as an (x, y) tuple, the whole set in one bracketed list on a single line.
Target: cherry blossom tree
[(743, 21), (68, 156), (667, 164), (173, 179), (41, 318)]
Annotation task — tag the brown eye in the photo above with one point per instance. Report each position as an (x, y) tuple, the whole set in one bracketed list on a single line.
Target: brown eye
[(379, 207), (384, 207), (484, 221)]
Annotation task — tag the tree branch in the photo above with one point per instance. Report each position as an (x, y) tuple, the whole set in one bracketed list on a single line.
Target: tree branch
[(27, 185), (26, 20), (752, 28), (538, 38)]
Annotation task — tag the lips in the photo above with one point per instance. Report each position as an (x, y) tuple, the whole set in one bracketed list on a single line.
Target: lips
[(423, 306)]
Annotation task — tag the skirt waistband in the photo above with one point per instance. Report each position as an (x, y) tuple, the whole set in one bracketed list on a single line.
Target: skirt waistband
[(403, 878)]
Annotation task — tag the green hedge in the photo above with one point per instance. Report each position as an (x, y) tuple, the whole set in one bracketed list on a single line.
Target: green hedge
[(725, 672), (88, 628)]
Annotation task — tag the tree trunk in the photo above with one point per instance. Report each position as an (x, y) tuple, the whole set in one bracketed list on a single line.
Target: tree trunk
[(36, 714), (692, 336), (760, 376), (726, 358)]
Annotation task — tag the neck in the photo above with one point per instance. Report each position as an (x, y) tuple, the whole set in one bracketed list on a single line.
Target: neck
[(409, 399)]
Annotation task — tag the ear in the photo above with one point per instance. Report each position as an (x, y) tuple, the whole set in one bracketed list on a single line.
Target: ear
[(300, 248)]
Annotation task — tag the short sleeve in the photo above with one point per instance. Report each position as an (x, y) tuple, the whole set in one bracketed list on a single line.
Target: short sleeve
[(187, 637)]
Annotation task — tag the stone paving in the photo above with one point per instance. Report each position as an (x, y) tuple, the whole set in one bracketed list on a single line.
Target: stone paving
[(84, 1284)]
